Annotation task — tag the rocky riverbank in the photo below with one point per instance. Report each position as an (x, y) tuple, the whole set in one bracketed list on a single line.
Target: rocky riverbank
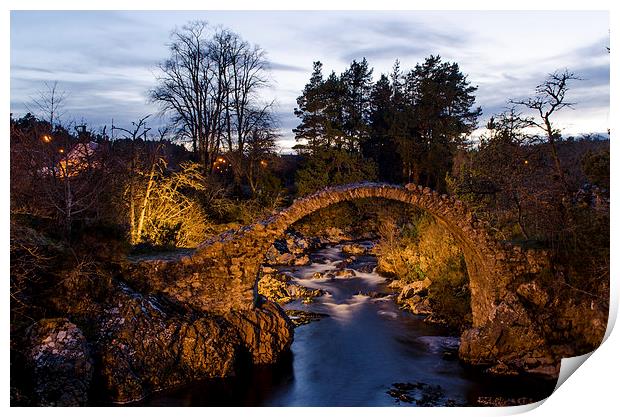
[(136, 344)]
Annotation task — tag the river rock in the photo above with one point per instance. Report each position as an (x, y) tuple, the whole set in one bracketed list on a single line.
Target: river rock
[(334, 235), (519, 347), (417, 305), (279, 288), (345, 273), (59, 357), (503, 401), (291, 250), (301, 317), (302, 260), (299, 291), (364, 267), (354, 249), (414, 288)]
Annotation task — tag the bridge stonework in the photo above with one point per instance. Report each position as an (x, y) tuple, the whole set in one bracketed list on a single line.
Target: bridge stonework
[(221, 275)]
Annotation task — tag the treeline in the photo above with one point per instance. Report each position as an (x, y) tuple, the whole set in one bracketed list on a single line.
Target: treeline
[(405, 127)]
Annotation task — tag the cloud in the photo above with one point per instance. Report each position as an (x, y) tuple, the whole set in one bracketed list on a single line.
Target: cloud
[(276, 66), (29, 68), (390, 52), (381, 38)]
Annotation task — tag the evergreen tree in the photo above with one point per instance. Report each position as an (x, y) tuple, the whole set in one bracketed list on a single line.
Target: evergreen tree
[(334, 112), (311, 111), (440, 101), (380, 145), (357, 84)]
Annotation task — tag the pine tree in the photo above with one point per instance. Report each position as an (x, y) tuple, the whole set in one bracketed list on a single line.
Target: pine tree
[(357, 84), (311, 111), (441, 101)]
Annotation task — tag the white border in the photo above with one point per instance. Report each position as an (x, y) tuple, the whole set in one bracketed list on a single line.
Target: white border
[(592, 391)]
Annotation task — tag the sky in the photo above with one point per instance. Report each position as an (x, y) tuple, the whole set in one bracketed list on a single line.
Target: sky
[(106, 60)]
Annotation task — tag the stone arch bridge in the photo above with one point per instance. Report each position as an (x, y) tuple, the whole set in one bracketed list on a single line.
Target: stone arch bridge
[(220, 276)]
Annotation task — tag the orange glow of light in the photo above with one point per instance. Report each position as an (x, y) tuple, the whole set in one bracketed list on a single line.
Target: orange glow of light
[(221, 160), (46, 138), (61, 150), (263, 163), (526, 162)]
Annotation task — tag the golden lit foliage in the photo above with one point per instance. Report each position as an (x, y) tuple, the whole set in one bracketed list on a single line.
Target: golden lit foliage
[(425, 249), (416, 250), (173, 215)]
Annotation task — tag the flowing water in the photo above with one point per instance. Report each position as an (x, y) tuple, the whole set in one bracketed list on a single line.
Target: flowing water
[(355, 354)]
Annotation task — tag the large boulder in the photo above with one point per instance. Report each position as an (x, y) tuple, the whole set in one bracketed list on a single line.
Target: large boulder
[(144, 346), (266, 332), (414, 288), (59, 358)]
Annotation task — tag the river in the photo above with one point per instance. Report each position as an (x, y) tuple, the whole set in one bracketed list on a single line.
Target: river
[(363, 351)]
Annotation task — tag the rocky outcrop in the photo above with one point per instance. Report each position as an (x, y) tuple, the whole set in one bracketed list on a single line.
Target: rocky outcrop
[(59, 359), (266, 332), (146, 345), (509, 350)]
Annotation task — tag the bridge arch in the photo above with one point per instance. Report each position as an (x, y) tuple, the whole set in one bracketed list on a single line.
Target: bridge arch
[(220, 276)]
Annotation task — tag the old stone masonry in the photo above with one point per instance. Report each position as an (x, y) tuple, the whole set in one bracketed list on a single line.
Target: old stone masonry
[(220, 276)]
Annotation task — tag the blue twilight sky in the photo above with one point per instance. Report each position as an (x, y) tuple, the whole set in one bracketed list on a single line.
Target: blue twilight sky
[(106, 60)]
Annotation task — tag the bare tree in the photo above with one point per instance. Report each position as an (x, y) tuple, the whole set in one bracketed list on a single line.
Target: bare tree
[(190, 88), (210, 85), (49, 103), (549, 99)]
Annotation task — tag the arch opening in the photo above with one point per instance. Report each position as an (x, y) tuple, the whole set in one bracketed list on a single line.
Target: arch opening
[(418, 253)]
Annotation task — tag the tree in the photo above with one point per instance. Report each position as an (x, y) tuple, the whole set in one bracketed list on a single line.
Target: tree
[(311, 129), (379, 145), (550, 97), (61, 176), (210, 86), (330, 166), (49, 103), (440, 101), (357, 85), (501, 174), (136, 171), (259, 155)]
